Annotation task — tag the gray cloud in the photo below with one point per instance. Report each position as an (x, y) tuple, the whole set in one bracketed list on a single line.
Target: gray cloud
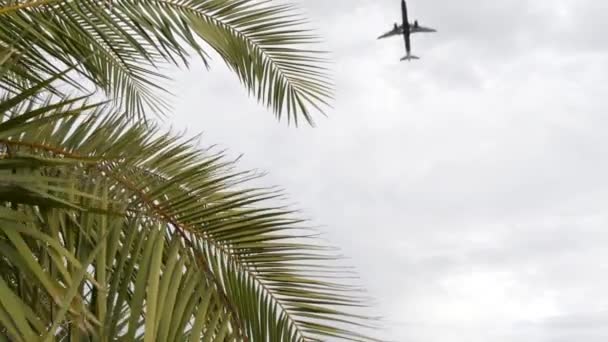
[(467, 187)]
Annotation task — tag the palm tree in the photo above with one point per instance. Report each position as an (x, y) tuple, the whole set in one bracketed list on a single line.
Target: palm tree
[(110, 227)]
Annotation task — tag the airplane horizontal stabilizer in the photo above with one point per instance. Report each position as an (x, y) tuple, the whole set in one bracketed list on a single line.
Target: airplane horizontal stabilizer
[(409, 57)]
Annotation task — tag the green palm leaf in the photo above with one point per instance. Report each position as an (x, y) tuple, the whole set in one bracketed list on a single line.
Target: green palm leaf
[(150, 238), (119, 47)]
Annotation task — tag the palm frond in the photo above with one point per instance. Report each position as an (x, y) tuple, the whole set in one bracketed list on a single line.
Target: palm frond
[(119, 48), (152, 238)]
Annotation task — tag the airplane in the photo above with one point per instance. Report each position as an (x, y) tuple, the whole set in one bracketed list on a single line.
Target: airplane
[(409, 29)]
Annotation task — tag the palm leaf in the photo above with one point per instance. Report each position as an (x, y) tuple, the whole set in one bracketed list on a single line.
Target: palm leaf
[(153, 238), (119, 48)]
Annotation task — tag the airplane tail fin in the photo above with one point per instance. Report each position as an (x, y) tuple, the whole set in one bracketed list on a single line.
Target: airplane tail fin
[(409, 57)]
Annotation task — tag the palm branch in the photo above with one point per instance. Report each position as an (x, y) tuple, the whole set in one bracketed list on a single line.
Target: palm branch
[(150, 238), (118, 46)]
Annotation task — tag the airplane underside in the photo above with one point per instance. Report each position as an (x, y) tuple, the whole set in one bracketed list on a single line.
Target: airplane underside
[(406, 29)]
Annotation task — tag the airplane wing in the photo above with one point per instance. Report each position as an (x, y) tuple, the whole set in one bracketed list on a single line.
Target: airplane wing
[(414, 29), (392, 32), (406, 27)]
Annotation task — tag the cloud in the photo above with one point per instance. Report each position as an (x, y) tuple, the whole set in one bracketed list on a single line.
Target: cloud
[(467, 187)]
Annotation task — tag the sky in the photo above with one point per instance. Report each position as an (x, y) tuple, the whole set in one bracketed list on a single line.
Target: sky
[(469, 187)]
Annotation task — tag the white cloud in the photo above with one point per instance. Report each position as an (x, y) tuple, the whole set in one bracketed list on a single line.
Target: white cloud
[(468, 187)]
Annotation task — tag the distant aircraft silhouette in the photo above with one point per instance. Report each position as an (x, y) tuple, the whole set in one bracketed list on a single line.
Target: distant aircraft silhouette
[(406, 29)]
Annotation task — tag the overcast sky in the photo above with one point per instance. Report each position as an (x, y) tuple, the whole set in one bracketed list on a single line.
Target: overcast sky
[(468, 187)]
